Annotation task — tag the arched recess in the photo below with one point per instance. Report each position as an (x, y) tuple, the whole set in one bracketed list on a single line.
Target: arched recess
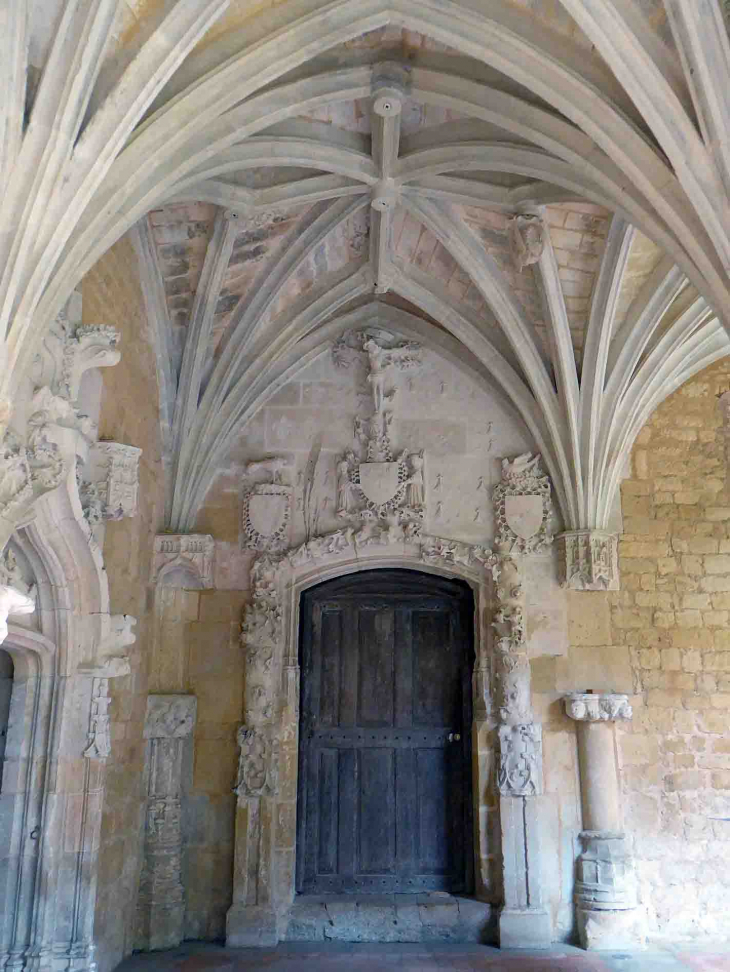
[(53, 791), (265, 853)]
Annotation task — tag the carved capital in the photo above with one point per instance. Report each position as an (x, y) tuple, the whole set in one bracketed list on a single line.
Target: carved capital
[(588, 560), (190, 552), (170, 716), (604, 707)]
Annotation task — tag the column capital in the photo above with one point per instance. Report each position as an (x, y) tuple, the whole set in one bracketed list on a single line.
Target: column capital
[(598, 707), (588, 560)]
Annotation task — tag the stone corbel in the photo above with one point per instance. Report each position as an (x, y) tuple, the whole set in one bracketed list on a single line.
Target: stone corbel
[(588, 560), (191, 552), (605, 893)]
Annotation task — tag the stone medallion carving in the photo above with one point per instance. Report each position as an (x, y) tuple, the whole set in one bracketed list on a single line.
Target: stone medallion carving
[(380, 484), (522, 506)]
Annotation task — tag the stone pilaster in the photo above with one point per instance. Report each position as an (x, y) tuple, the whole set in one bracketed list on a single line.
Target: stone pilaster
[(606, 906), (522, 512), (161, 905), (588, 560), (252, 918)]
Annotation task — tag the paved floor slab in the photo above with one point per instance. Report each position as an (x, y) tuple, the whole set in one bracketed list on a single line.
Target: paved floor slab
[(335, 956)]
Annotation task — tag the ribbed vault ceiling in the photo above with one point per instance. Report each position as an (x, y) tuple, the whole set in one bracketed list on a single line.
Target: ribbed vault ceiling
[(289, 170)]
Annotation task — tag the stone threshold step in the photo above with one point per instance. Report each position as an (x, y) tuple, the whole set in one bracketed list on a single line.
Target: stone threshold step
[(419, 918)]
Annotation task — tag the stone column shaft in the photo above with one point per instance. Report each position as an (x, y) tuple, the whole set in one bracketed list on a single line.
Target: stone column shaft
[(605, 891)]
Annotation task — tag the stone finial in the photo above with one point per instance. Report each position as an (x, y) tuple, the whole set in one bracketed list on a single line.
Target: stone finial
[(588, 560), (604, 707)]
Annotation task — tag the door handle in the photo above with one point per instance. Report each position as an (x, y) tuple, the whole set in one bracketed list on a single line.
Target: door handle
[(454, 736)]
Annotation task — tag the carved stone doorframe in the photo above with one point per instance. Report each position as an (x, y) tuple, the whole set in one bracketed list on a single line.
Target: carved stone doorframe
[(265, 843)]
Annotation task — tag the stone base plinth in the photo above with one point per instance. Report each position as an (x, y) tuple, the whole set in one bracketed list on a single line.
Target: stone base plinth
[(611, 929), (529, 928), (160, 926), (251, 926)]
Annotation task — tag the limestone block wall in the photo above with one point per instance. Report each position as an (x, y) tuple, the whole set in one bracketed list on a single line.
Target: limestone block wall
[(111, 295), (465, 431), (672, 617)]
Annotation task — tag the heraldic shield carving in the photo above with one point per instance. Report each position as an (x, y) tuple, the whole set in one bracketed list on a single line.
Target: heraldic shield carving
[(380, 486), (267, 508)]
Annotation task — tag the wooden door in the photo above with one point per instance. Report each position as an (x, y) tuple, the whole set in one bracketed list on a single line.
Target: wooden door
[(384, 767)]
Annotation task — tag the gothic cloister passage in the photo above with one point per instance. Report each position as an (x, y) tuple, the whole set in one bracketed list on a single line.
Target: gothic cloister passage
[(364, 498)]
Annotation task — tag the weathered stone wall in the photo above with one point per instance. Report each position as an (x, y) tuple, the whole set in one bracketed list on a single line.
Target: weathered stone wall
[(672, 615), (112, 295)]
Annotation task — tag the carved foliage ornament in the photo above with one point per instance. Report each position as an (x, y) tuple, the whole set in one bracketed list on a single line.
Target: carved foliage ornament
[(170, 716), (258, 765), (604, 707), (522, 506)]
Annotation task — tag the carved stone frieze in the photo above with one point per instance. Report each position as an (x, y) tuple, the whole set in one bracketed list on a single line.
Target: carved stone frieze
[(169, 716), (522, 506), (588, 560), (520, 759), (258, 764), (526, 236), (603, 707), (189, 552)]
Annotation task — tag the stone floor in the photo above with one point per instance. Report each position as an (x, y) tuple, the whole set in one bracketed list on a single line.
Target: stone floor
[(329, 957)]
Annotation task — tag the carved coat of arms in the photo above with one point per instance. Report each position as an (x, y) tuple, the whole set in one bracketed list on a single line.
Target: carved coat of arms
[(267, 507), (380, 485)]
